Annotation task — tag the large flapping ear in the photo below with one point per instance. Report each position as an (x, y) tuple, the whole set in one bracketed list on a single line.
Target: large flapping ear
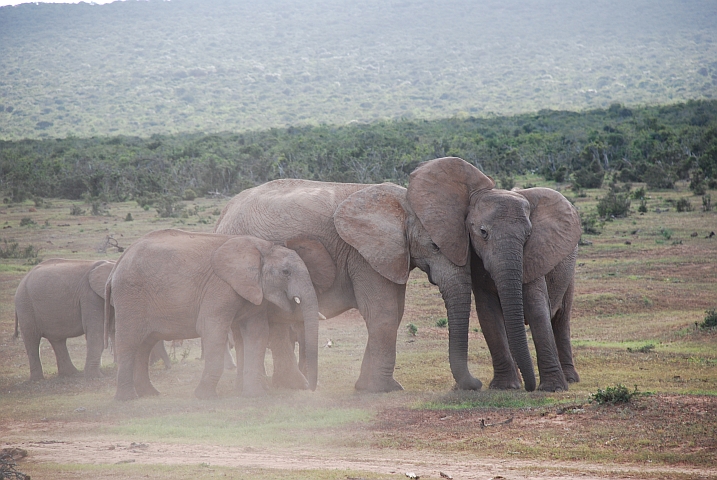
[(373, 221), (556, 231), (319, 263), (98, 277), (439, 192), (238, 262)]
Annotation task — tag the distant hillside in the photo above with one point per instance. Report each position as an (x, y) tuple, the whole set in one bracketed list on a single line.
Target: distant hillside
[(154, 67)]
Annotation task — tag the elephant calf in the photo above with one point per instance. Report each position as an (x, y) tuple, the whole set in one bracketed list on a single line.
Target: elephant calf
[(61, 299), (172, 284)]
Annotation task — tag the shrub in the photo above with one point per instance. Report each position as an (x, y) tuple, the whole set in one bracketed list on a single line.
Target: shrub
[(76, 210), (613, 395), (507, 182), (644, 349), (591, 224), (710, 320), (442, 323), (169, 206), (613, 205), (189, 194), (643, 206), (128, 218), (25, 221), (412, 329), (683, 205), (12, 250), (638, 194), (666, 233), (706, 203)]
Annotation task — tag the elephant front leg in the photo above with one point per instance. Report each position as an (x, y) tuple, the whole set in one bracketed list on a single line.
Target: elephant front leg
[(125, 373), (94, 336), (214, 340), (382, 310), (286, 370), (65, 367), (32, 347), (142, 384), (537, 312), (255, 335)]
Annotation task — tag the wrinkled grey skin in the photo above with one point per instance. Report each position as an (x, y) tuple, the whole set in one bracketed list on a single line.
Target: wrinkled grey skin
[(172, 285), (159, 352), (522, 247), (359, 243), (61, 299)]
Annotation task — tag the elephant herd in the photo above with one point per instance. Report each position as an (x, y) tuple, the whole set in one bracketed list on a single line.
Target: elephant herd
[(289, 252)]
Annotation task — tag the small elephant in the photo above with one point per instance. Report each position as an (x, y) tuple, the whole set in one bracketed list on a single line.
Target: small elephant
[(522, 247), (61, 299), (172, 284)]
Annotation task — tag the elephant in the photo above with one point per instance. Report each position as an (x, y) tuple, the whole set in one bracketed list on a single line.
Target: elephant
[(172, 284), (359, 243), (60, 299), (159, 352), (521, 246)]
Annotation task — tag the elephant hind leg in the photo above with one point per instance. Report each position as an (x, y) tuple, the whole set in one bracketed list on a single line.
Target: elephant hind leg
[(32, 347), (142, 384), (561, 332), (65, 367)]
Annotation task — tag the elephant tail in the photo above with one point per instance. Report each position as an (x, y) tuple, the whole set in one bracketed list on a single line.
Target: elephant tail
[(109, 313), (17, 331)]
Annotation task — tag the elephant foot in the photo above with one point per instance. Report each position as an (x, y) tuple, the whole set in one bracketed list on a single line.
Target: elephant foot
[(125, 395), (205, 393), (253, 391), (500, 383), (37, 378), (68, 373), (147, 391), (553, 385), (470, 383), (378, 386), (93, 374), (294, 380), (571, 375)]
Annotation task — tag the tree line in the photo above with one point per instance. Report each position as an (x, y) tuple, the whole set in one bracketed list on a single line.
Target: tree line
[(657, 145)]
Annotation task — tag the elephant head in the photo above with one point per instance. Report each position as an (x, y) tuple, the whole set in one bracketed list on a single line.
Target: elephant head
[(519, 235), (257, 269), (380, 223)]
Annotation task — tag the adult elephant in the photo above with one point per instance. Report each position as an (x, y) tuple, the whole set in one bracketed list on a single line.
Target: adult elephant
[(359, 243), (60, 299), (172, 284), (524, 245)]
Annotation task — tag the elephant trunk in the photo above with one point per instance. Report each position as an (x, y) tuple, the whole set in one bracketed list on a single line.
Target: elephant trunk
[(456, 292), (310, 312), (509, 281)]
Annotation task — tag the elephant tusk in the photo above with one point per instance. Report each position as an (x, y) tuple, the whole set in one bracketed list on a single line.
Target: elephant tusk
[(297, 300), (321, 316)]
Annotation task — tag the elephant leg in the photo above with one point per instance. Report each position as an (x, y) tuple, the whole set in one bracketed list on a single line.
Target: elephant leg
[(255, 333), (561, 332), (142, 384), (65, 367), (157, 353), (228, 359), (239, 349), (490, 317), (215, 340), (286, 370), (32, 347), (381, 306), (536, 304), (94, 336), (125, 372)]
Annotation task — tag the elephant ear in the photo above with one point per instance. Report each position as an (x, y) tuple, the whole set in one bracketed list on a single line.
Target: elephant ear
[(556, 231), (238, 262), (439, 192), (373, 221), (98, 277), (319, 263)]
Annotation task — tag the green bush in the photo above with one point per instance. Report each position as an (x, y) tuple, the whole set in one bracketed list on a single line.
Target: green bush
[(614, 395), (76, 210), (614, 205), (643, 206), (707, 203), (683, 205), (25, 221), (412, 329), (442, 323), (710, 320)]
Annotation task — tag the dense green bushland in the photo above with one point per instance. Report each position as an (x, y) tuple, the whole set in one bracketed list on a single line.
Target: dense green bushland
[(159, 67), (656, 145)]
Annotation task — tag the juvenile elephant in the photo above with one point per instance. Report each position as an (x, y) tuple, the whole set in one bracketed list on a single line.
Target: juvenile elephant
[(524, 246), (61, 299), (359, 243), (172, 284)]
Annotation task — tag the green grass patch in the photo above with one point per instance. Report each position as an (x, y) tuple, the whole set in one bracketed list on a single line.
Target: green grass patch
[(489, 399)]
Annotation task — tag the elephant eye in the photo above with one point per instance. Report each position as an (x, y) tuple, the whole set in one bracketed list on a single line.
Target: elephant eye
[(484, 233), (286, 272), (435, 247)]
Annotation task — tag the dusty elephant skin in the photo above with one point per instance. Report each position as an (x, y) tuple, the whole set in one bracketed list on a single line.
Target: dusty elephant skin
[(522, 247), (61, 299), (172, 285), (359, 243)]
